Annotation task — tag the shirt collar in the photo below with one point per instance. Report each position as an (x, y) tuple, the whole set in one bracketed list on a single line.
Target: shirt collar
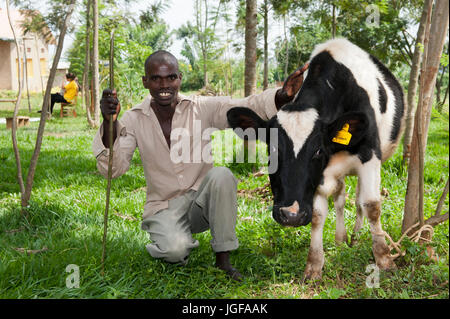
[(144, 107)]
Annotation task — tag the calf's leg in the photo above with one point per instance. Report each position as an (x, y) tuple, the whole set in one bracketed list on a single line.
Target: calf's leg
[(369, 197), (314, 264), (339, 203), (359, 218)]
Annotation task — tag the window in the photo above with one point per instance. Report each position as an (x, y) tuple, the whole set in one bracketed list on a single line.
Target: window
[(44, 69), (30, 72), (29, 67), (17, 68)]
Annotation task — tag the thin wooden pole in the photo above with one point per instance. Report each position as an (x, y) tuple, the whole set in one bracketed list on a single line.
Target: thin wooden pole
[(110, 160), (25, 68)]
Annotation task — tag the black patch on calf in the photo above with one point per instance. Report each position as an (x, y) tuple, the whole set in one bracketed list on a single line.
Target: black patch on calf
[(347, 97), (397, 91), (382, 97)]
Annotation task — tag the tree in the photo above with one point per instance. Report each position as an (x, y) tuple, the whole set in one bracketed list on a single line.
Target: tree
[(434, 40), (16, 109), (62, 21), (86, 87), (95, 77), (266, 45), (251, 23), (200, 40), (413, 80), (440, 82)]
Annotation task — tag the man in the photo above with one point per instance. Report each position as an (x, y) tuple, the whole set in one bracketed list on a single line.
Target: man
[(182, 197)]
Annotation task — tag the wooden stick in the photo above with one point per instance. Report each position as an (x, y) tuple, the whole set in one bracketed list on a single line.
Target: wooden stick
[(111, 141)]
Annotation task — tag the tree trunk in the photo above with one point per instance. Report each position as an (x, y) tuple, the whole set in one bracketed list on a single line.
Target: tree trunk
[(96, 84), (250, 47), (438, 87), (25, 72), (201, 36), (333, 22), (39, 59), (413, 80), (441, 105), (34, 159), (266, 45), (286, 65), (432, 53), (16, 109), (86, 94)]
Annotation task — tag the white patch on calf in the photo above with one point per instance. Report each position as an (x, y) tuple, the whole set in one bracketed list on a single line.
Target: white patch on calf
[(369, 180), (340, 165), (298, 126)]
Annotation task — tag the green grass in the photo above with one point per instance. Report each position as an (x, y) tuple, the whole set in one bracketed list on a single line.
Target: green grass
[(66, 217)]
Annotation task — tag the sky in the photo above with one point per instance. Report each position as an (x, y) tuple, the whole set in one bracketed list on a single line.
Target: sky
[(180, 12)]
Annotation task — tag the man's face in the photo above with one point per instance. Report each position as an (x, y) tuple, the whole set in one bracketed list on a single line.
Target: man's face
[(163, 80)]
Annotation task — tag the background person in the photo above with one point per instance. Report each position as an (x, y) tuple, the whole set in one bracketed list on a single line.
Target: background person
[(69, 92)]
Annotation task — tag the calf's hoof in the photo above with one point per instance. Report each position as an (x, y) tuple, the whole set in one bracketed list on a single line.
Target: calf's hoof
[(386, 264), (312, 273), (341, 240), (353, 241)]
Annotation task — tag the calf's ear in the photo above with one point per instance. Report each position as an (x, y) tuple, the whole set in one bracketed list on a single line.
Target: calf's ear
[(241, 118), (349, 129)]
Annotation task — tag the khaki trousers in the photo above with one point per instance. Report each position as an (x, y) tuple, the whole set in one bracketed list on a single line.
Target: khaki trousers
[(213, 206)]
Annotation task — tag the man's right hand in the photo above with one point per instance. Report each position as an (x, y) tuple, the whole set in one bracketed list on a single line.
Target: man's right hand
[(109, 104)]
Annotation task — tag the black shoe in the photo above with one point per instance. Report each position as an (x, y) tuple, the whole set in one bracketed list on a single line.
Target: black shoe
[(223, 263), (234, 274)]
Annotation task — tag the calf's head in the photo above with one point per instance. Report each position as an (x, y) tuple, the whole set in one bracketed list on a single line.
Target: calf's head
[(302, 146)]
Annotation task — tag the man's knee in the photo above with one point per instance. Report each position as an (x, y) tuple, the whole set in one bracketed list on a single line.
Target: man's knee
[(222, 176), (175, 251), (177, 254)]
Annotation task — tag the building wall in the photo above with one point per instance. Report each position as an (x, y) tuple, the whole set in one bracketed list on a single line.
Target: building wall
[(37, 63), (5, 70), (60, 77)]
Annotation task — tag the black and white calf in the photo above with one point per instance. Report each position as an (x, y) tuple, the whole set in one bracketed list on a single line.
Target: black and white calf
[(346, 120)]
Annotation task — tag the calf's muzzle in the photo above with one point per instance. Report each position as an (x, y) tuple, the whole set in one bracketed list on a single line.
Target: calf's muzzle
[(292, 215)]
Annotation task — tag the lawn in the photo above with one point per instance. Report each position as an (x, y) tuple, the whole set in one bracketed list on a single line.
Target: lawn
[(65, 227)]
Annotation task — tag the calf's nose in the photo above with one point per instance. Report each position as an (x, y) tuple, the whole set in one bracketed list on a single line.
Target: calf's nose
[(291, 211)]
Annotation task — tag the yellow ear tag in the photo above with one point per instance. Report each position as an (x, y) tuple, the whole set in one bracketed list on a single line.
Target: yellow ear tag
[(343, 136)]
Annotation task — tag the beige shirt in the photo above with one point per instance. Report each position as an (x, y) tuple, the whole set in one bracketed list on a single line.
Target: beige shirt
[(167, 178)]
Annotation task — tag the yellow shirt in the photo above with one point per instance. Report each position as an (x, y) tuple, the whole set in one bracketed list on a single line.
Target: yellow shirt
[(71, 91)]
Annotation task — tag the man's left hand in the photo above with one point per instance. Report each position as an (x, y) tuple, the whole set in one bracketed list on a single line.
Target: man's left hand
[(291, 85)]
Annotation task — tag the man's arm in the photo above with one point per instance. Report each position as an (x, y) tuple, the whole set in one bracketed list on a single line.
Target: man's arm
[(124, 139), (265, 104), (110, 107)]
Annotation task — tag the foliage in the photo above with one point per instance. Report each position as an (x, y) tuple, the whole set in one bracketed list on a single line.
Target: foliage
[(66, 216), (134, 42), (387, 39)]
